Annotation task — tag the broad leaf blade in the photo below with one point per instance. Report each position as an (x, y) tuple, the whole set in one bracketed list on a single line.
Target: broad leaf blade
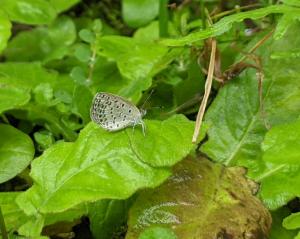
[(197, 201), (16, 152), (281, 154), (237, 125), (100, 165), (29, 11)]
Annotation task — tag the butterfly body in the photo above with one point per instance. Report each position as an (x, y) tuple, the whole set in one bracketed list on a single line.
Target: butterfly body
[(114, 113)]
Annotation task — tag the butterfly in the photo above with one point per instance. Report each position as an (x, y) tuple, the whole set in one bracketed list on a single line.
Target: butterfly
[(114, 113)]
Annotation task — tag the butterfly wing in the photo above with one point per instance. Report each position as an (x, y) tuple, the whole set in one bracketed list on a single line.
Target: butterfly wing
[(113, 112)]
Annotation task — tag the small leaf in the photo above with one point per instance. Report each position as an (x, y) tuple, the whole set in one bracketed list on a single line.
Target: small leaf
[(44, 139), (29, 11), (277, 230), (83, 53), (97, 26), (79, 75), (139, 13), (292, 221), (87, 35), (16, 152), (43, 94)]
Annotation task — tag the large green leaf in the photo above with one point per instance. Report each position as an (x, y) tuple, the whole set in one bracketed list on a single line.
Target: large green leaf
[(137, 61), (16, 152), (103, 165), (29, 11), (236, 123), (198, 200), (43, 43), (5, 27), (281, 153), (139, 13), (227, 22)]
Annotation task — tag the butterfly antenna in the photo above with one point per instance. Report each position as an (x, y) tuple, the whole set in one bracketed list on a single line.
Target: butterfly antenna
[(147, 99)]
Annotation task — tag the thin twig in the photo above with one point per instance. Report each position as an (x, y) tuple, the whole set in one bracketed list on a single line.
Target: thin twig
[(208, 85)]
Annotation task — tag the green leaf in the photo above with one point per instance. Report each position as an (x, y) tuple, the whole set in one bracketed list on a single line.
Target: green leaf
[(281, 153), (64, 5), (104, 165), (107, 217), (197, 201), (277, 230), (83, 53), (139, 13), (137, 62), (87, 35), (44, 139), (43, 43), (292, 2), (14, 217), (236, 125), (16, 152), (292, 221), (158, 233), (30, 76), (29, 11), (285, 21), (82, 99), (4, 30), (226, 23), (12, 97)]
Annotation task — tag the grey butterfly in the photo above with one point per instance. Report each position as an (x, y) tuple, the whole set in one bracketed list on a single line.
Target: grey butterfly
[(113, 112)]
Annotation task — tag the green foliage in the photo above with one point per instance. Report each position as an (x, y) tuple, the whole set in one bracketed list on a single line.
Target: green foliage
[(43, 43), (29, 11), (58, 168), (139, 13), (16, 152), (281, 179), (227, 22), (196, 208)]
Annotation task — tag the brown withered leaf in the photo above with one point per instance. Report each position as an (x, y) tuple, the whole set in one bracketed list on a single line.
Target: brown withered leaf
[(202, 200)]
